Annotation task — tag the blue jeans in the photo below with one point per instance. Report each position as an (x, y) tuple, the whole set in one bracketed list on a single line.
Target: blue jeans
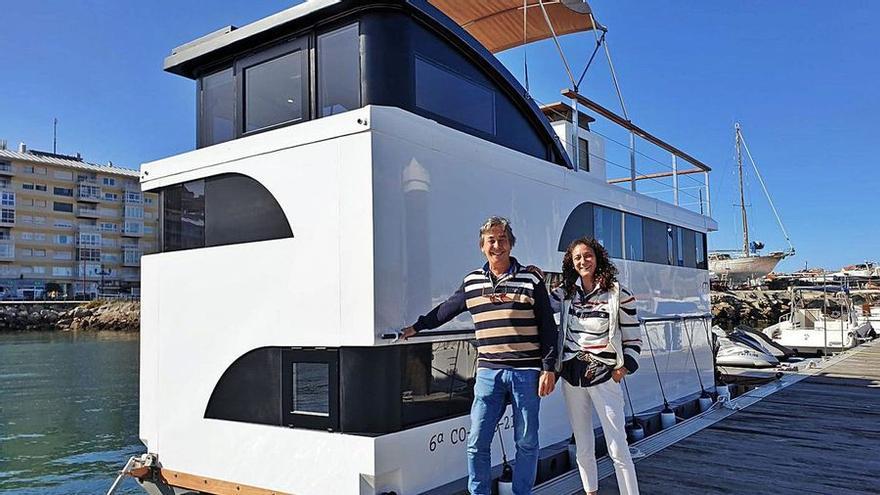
[(492, 391)]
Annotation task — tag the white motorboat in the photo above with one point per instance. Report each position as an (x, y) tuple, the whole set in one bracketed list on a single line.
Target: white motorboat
[(870, 314), (819, 330), (347, 153)]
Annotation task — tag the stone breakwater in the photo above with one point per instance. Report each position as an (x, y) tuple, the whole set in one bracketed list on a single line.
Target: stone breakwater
[(759, 308), (123, 316)]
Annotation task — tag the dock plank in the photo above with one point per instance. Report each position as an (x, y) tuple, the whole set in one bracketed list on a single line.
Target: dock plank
[(818, 436)]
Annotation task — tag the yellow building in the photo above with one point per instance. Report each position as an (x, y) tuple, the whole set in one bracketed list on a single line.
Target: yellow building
[(70, 226)]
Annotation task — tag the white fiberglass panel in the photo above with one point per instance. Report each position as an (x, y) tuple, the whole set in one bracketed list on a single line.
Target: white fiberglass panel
[(434, 187)]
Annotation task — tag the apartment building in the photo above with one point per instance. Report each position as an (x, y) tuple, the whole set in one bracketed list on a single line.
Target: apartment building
[(71, 227)]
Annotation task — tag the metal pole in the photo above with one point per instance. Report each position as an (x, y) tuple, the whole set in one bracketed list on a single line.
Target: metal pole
[(632, 160), (575, 133), (742, 198), (708, 200), (558, 46), (675, 181)]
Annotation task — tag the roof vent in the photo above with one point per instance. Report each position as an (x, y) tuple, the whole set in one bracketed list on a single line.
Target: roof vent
[(2, 145), (22, 148)]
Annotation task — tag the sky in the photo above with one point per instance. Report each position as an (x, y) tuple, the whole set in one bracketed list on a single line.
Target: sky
[(801, 79)]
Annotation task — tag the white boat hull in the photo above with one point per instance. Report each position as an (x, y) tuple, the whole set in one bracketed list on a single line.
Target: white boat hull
[(385, 217), (743, 269)]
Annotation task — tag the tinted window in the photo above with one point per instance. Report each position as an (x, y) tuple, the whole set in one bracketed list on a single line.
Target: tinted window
[(68, 207), (583, 154), (438, 382), (608, 230), (240, 209), (218, 108), (654, 236), (273, 92), (448, 94), (688, 247), (63, 191), (578, 224), (701, 251), (634, 249), (671, 256), (184, 216), (310, 388), (339, 71), (221, 210)]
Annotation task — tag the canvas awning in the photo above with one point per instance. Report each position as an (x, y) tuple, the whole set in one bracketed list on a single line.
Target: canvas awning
[(498, 24)]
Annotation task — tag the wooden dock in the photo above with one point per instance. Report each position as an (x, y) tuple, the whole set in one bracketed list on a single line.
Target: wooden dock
[(820, 435)]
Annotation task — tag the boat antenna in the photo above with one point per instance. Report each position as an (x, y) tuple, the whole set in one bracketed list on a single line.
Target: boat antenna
[(742, 198), (767, 194)]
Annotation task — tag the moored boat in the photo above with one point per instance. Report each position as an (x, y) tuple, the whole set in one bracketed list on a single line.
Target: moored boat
[(347, 153)]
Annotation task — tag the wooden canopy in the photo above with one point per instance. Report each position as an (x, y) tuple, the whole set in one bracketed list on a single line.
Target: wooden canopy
[(498, 24)]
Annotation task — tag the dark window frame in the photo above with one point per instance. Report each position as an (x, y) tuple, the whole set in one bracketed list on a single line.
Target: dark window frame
[(445, 119), (586, 227), (201, 128), (315, 74), (330, 357), (287, 47)]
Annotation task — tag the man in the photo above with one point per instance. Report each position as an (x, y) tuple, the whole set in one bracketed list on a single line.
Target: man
[(516, 353)]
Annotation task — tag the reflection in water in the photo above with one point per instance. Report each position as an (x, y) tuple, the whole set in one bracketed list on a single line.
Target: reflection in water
[(68, 412)]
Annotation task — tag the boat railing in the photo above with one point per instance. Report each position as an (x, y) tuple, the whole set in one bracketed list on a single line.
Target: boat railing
[(634, 156)]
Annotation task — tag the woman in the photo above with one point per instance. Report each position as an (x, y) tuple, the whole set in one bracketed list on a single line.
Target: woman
[(601, 346)]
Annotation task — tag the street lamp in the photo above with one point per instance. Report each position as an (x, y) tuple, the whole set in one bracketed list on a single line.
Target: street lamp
[(102, 272)]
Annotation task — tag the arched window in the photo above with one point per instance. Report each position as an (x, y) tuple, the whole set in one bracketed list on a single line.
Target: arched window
[(220, 210)]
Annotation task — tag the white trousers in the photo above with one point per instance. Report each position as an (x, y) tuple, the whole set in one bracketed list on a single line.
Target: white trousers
[(607, 398)]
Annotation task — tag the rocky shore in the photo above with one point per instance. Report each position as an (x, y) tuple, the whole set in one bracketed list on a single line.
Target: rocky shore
[(759, 308), (122, 316)]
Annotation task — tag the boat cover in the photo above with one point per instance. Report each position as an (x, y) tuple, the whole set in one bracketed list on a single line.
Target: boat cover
[(498, 24)]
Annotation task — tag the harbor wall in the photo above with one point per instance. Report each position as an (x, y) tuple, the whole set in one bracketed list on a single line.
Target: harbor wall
[(759, 308), (123, 316)]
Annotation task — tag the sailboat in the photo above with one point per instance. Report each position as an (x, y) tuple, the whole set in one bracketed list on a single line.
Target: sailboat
[(738, 267)]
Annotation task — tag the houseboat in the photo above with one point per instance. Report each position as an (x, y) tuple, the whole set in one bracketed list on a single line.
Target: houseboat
[(347, 153)]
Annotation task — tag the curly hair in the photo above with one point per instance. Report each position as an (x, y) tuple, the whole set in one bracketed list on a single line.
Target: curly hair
[(605, 274)]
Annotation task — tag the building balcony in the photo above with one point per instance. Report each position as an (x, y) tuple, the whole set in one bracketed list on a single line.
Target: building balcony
[(131, 233), (85, 212), (87, 228), (6, 169), (88, 197), (7, 220), (132, 260)]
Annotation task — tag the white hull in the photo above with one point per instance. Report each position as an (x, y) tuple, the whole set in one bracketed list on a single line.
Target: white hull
[(744, 268), (819, 335), (384, 207)]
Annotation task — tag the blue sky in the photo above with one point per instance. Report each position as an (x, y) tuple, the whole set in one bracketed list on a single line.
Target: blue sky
[(800, 77)]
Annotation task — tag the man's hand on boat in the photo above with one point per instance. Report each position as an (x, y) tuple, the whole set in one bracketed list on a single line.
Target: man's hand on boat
[(546, 383), (407, 333)]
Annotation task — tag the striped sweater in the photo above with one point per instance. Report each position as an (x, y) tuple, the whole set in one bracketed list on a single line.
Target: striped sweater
[(588, 326), (512, 316)]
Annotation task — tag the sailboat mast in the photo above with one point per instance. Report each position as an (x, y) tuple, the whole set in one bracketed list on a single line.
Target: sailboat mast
[(742, 198)]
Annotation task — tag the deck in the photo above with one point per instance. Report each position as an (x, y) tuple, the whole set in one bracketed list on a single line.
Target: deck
[(819, 435)]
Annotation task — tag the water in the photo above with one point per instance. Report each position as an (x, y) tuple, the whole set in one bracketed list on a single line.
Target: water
[(68, 412)]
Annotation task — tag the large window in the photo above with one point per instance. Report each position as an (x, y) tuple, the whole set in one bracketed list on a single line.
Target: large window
[(221, 210), (633, 238), (443, 92), (217, 120), (275, 87), (339, 71), (438, 381), (608, 230), (64, 207), (7, 198)]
